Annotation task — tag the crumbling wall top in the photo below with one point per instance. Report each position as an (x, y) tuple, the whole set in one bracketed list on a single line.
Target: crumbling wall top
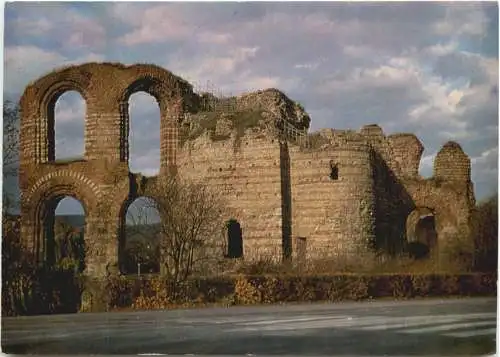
[(451, 163), (116, 80), (262, 110), (372, 130), (278, 105)]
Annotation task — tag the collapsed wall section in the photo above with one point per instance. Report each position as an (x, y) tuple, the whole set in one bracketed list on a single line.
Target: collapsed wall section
[(333, 212), (407, 151), (395, 158)]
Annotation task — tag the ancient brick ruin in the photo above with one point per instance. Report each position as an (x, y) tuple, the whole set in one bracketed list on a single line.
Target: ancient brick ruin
[(294, 194)]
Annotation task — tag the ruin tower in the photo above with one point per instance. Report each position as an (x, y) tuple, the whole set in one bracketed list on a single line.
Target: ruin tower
[(336, 191), (333, 196)]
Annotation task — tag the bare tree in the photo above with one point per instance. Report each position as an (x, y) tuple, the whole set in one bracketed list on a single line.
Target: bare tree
[(192, 218), (10, 136), (485, 233), (10, 151)]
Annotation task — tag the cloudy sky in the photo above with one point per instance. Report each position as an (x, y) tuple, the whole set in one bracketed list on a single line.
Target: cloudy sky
[(426, 68)]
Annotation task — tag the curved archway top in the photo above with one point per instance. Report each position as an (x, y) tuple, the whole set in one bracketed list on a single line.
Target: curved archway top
[(39, 94), (56, 196), (123, 207), (117, 81), (423, 211), (167, 88), (64, 183)]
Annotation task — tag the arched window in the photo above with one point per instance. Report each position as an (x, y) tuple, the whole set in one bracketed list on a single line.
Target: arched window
[(421, 233), (66, 125), (64, 226), (140, 242), (144, 134), (234, 239)]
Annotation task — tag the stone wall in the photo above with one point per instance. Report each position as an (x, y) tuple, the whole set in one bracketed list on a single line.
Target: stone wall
[(277, 180), (250, 178), (334, 215)]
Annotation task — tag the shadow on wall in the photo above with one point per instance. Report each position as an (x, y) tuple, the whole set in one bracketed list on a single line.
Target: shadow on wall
[(421, 233), (234, 239), (286, 202), (393, 204)]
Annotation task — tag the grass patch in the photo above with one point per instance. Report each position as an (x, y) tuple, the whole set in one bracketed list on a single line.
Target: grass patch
[(207, 122)]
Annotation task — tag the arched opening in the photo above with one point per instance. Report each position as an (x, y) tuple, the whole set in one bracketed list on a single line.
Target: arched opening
[(67, 231), (334, 171), (66, 126), (144, 134), (421, 233), (234, 239), (63, 252), (139, 251)]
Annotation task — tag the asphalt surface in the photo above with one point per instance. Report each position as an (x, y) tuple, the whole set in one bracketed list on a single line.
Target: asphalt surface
[(453, 327)]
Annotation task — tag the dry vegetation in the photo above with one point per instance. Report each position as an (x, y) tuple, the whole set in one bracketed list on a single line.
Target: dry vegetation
[(194, 272), (206, 122), (186, 281)]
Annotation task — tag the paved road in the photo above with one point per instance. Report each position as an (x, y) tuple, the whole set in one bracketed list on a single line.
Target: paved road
[(422, 327)]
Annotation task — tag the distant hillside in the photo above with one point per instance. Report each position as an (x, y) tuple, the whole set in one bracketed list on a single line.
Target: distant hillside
[(74, 220), (146, 233)]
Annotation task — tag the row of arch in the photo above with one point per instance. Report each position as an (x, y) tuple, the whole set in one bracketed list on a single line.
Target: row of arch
[(68, 130), (64, 241), (64, 223), (106, 89)]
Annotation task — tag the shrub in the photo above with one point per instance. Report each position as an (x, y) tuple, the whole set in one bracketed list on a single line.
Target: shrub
[(485, 234), (245, 292), (422, 285)]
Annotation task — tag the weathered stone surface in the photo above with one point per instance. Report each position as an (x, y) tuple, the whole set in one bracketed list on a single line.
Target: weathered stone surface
[(342, 191)]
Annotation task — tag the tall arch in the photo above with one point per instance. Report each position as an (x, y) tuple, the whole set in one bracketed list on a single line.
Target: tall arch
[(41, 200), (143, 143), (421, 232), (139, 236), (451, 210), (65, 115), (37, 139), (64, 229), (45, 228), (173, 95)]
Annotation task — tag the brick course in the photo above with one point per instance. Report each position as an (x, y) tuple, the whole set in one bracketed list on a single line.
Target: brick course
[(277, 188)]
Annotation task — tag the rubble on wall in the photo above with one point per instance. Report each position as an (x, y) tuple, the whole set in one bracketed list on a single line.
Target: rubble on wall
[(261, 110)]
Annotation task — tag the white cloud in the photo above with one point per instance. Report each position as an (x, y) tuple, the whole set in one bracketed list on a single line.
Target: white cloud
[(38, 26), (442, 50), (159, 23), (462, 20), (409, 67), (148, 163), (427, 165), (70, 107), (16, 56), (67, 28), (214, 38), (358, 51), (24, 64), (487, 157)]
